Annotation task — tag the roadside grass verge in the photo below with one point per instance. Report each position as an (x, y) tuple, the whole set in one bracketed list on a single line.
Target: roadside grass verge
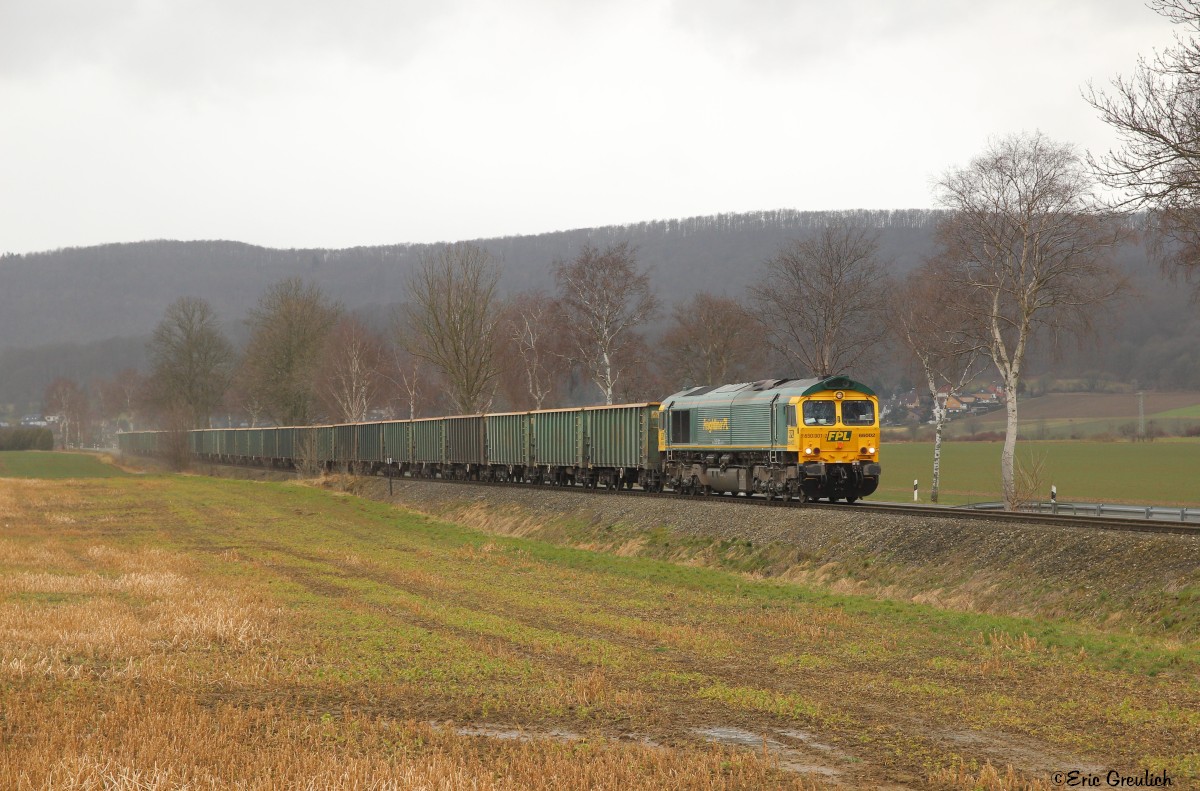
[(182, 630)]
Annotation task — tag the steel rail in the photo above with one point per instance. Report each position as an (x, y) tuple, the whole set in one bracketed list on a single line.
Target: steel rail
[(939, 512), (1082, 521)]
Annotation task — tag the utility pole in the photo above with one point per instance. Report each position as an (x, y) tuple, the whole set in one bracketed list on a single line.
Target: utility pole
[(1141, 415)]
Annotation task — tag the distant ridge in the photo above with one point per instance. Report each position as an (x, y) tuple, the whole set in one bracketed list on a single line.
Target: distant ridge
[(82, 294)]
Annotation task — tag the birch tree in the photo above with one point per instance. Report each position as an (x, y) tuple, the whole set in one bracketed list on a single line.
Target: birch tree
[(1025, 248), (606, 299), (820, 303), (350, 372), (940, 342), (451, 321), (534, 335)]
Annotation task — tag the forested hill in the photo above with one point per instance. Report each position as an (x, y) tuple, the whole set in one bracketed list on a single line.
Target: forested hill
[(77, 295), (85, 313)]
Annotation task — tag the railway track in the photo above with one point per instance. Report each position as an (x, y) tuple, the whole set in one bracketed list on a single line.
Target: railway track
[(1079, 522), (936, 512)]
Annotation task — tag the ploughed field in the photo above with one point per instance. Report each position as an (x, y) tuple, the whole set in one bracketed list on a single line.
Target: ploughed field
[(182, 631)]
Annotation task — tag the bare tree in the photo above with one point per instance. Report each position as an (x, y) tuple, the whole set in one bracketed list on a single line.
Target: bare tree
[(67, 401), (535, 348), (1025, 248), (288, 331), (1156, 114), (192, 360), (821, 301), (606, 299), (711, 340), (941, 343), (349, 374), (452, 319), (242, 397), (131, 384), (641, 379)]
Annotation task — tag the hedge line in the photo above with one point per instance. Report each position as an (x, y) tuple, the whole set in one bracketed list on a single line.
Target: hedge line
[(26, 439)]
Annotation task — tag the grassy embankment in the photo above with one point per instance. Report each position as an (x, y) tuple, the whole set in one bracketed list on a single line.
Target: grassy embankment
[(170, 631), (1153, 473)]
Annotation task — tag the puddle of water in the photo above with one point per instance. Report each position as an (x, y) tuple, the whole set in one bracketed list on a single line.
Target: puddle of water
[(806, 738), (790, 758), (735, 736), (514, 734)]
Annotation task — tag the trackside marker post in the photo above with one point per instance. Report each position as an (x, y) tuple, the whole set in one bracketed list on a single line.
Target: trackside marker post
[(1054, 498), (915, 490)]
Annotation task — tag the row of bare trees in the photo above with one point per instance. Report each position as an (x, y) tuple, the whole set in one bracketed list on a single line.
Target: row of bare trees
[(1024, 250), (90, 413)]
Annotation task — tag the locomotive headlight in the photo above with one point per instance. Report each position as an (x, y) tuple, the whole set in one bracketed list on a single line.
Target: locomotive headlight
[(871, 451), (808, 451)]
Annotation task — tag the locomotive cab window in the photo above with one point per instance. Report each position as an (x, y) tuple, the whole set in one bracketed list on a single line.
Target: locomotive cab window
[(819, 413), (681, 426), (791, 414), (858, 413)]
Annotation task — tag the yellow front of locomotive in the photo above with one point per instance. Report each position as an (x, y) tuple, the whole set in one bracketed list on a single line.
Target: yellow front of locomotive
[(835, 433)]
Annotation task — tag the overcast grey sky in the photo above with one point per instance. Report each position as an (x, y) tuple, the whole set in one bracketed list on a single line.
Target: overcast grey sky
[(301, 123)]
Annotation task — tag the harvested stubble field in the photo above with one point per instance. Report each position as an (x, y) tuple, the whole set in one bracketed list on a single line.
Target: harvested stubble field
[(187, 632)]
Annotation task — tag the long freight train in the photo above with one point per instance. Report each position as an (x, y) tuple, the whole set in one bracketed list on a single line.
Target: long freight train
[(785, 438)]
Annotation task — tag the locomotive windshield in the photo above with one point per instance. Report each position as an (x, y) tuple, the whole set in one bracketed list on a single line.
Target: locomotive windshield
[(819, 413), (858, 413)]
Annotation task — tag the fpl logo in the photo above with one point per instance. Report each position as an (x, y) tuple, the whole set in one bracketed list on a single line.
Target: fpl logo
[(840, 436)]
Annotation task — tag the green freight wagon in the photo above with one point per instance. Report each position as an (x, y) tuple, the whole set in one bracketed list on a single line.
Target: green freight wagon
[(556, 446), (428, 440), (397, 442), (305, 447), (255, 443), (270, 444), (368, 443), (228, 442), (345, 443), (508, 444), (620, 445), (241, 443), (465, 446), (556, 441), (201, 443), (325, 445), (141, 443)]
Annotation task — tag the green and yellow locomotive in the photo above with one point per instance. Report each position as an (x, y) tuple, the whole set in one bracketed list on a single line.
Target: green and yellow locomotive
[(810, 438)]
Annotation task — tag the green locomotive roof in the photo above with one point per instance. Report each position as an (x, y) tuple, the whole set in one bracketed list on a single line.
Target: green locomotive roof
[(770, 389)]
